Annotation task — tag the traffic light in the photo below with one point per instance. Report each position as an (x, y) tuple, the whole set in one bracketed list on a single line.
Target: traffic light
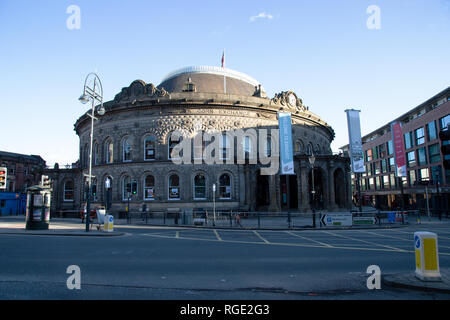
[(94, 190), (444, 136), (128, 187), (134, 187), (3, 176), (46, 181)]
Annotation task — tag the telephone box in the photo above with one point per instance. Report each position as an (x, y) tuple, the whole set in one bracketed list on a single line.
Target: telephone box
[(38, 208)]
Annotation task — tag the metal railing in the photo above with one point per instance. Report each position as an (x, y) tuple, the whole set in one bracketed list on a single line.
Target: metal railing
[(259, 220)]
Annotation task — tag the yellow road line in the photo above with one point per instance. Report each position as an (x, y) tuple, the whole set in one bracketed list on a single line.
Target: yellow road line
[(305, 238), (217, 235), (364, 241), (259, 236)]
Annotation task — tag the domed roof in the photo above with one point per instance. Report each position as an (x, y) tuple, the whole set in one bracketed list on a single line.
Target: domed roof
[(210, 80)]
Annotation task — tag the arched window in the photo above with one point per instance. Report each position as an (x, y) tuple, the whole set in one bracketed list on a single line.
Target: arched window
[(225, 146), (199, 145), (199, 187), (317, 150), (68, 190), (126, 187), (174, 187), (299, 147), (172, 142), (269, 146), (310, 149), (109, 149), (127, 149), (149, 188), (225, 186), (149, 148)]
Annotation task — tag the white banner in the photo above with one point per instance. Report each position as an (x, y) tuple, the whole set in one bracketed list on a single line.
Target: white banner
[(355, 143)]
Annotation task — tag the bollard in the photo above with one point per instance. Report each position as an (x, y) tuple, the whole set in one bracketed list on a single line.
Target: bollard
[(427, 257), (109, 224)]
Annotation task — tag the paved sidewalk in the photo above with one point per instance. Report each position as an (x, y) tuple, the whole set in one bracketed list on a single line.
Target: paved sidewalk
[(57, 227), (409, 280)]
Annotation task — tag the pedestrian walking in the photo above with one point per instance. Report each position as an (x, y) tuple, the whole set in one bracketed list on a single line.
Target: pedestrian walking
[(238, 219)]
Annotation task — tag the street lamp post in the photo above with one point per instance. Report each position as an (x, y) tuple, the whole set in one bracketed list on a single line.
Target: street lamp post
[(90, 93), (214, 203), (312, 160)]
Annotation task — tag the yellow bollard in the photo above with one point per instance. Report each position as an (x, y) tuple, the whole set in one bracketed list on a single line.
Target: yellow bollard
[(427, 256)]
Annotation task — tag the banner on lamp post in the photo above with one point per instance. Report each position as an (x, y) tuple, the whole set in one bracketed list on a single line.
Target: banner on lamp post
[(399, 149), (286, 152), (355, 143)]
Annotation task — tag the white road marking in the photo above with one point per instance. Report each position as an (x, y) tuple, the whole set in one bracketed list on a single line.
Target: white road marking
[(305, 238), (371, 243), (259, 236), (217, 235)]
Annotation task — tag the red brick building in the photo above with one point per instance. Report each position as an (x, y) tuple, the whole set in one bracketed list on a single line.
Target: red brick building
[(23, 170), (421, 126)]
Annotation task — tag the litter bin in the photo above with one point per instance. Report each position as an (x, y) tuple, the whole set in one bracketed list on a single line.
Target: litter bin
[(38, 208)]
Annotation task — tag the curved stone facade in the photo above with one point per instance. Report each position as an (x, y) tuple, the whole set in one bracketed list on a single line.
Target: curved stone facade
[(143, 111)]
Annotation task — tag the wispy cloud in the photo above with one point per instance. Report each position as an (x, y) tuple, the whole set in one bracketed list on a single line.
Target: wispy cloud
[(261, 15)]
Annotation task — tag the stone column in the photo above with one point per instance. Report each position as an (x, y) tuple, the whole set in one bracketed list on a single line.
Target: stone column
[(304, 203), (274, 203), (299, 186), (332, 197)]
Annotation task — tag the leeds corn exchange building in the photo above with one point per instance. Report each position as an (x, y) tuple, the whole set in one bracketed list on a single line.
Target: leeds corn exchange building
[(133, 142)]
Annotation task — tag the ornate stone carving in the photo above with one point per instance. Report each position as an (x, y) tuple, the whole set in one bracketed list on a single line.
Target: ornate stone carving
[(139, 88), (288, 100)]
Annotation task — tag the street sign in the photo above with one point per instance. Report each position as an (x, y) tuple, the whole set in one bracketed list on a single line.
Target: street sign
[(336, 219), (365, 220)]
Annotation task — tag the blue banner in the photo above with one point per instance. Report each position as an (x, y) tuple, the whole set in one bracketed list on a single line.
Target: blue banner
[(286, 152)]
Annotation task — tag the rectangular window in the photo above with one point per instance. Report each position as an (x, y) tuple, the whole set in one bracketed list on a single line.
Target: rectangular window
[(372, 183), (412, 177), (368, 155), (384, 168), (386, 182), (391, 164), (444, 122), (424, 174), (375, 153), (390, 147), (377, 181), (436, 174), (431, 129), (434, 153), (411, 159), (408, 140), (419, 136), (422, 156), (377, 167), (393, 182), (382, 150)]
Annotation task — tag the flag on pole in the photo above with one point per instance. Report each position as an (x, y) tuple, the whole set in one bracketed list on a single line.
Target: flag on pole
[(224, 77), (223, 59)]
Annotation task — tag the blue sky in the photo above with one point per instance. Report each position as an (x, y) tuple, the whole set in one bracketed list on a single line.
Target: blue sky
[(320, 49)]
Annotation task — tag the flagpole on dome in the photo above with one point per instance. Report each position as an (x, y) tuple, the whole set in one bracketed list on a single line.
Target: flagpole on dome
[(224, 77)]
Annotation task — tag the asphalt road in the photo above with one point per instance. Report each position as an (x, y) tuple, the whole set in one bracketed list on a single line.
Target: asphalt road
[(183, 263)]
